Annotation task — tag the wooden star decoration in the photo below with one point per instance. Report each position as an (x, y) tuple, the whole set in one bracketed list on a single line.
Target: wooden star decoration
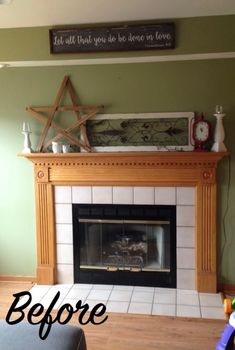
[(88, 111)]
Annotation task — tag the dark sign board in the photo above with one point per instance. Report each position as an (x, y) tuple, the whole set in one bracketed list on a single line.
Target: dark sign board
[(124, 38)]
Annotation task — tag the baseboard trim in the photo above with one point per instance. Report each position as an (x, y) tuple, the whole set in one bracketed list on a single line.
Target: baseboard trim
[(226, 288), (20, 279)]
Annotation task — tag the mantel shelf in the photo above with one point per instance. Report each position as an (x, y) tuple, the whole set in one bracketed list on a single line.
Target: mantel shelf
[(162, 157)]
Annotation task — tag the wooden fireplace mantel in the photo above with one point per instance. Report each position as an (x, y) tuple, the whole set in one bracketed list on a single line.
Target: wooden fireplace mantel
[(196, 169)]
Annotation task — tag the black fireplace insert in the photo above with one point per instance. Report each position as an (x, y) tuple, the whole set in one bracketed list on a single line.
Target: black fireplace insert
[(125, 244)]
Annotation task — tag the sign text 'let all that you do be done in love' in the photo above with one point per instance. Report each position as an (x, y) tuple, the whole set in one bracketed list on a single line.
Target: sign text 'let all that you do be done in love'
[(145, 37)]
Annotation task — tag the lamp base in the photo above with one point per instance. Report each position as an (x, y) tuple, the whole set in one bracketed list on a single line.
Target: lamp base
[(218, 147)]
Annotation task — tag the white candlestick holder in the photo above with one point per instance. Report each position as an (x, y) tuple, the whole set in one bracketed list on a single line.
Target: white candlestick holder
[(27, 143), (219, 135)]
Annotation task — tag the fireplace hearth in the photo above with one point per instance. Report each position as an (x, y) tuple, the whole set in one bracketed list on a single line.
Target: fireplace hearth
[(125, 244)]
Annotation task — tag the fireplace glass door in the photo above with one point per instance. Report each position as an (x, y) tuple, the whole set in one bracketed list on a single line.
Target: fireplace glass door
[(135, 245), (124, 244)]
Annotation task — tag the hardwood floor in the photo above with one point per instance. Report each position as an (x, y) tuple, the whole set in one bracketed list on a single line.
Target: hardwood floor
[(7, 289), (136, 332)]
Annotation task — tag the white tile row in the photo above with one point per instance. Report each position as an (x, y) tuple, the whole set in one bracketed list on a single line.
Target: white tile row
[(139, 300), (125, 195)]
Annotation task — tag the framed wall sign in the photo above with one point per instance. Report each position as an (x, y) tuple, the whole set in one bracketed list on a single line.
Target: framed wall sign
[(141, 132), (119, 38)]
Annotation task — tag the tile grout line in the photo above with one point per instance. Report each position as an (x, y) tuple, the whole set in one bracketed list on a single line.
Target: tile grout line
[(109, 295), (152, 301), (200, 307), (71, 196), (130, 300)]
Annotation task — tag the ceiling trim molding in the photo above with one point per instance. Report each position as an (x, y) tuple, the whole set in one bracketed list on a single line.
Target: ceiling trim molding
[(120, 60)]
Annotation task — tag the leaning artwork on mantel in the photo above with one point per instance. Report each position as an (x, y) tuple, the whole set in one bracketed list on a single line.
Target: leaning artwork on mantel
[(141, 132)]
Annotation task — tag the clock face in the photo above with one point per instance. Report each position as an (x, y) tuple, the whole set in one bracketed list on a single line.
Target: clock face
[(201, 131)]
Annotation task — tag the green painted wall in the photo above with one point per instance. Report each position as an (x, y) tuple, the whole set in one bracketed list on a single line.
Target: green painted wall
[(205, 34), (145, 87)]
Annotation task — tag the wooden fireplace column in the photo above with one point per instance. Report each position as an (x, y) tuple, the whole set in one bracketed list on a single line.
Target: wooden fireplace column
[(196, 169)]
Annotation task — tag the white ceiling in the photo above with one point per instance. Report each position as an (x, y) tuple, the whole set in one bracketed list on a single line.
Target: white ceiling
[(30, 13)]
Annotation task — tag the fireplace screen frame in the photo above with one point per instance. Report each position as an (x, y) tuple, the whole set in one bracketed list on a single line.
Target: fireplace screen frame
[(124, 276)]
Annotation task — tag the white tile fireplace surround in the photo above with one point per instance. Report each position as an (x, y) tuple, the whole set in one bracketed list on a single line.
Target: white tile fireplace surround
[(182, 197)]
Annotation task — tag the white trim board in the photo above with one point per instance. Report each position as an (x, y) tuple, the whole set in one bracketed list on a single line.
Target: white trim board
[(121, 60)]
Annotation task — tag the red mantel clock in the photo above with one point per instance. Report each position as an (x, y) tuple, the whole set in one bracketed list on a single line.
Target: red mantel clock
[(201, 133)]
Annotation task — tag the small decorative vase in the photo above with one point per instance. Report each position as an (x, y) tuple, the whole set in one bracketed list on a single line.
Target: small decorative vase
[(66, 148), (56, 147)]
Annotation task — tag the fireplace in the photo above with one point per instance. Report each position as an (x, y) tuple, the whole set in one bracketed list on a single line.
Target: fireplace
[(125, 244), (157, 169)]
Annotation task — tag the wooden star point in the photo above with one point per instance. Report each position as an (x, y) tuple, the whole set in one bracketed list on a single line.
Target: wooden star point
[(88, 111)]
